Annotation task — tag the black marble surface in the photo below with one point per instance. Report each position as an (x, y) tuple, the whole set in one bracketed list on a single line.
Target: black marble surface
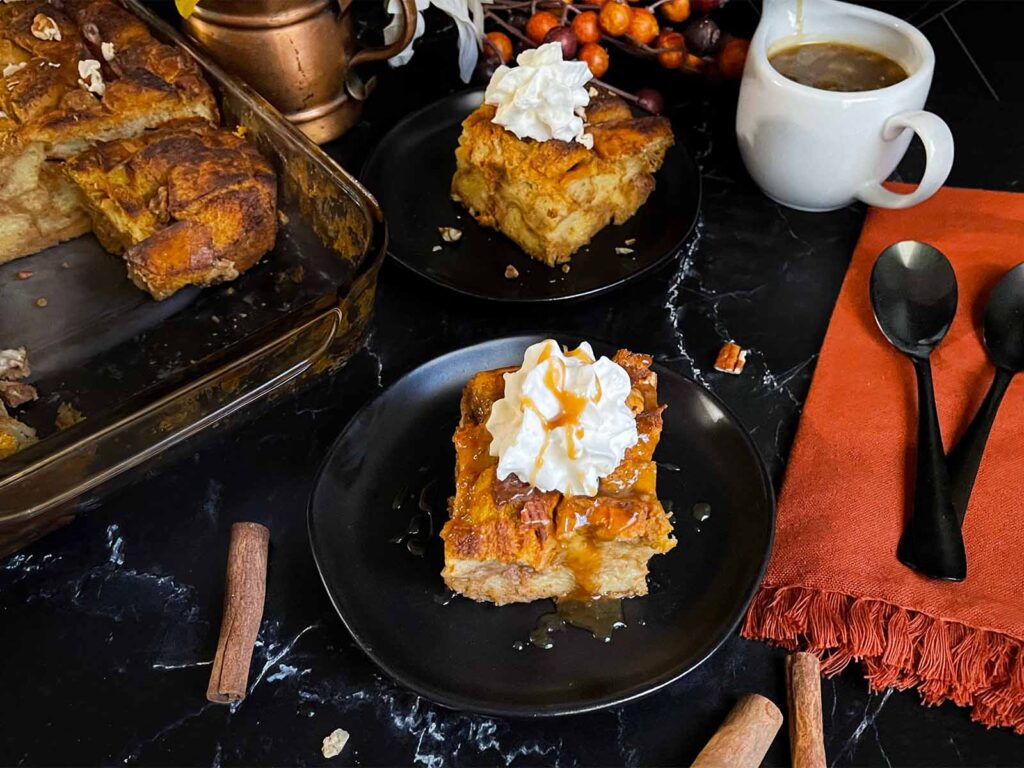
[(109, 625)]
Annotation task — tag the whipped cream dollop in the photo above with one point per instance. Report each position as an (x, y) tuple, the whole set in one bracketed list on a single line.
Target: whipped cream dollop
[(542, 98), (563, 423)]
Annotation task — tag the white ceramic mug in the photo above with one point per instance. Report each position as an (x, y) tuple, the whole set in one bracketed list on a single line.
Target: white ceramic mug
[(819, 150)]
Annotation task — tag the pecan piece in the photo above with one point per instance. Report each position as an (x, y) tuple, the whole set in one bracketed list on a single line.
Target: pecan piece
[(534, 512), (45, 28), (731, 358)]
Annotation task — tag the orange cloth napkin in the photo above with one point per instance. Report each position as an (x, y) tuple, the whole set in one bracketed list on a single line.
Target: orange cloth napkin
[(834, 584)]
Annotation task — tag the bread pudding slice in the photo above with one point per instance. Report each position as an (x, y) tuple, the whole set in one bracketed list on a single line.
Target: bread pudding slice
[(73, 73), (507, 542), (552, 197), (186, 203)]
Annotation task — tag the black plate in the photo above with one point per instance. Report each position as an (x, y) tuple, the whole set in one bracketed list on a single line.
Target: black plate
[(410, 173), (460, 653)]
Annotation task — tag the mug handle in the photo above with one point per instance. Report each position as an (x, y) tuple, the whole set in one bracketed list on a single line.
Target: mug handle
[(387, 51), (938, 147)]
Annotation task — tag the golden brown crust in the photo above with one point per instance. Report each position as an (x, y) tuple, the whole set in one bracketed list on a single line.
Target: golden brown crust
[(508, 542), (551, 197), (187, 204), (48, 112), (145, 83)]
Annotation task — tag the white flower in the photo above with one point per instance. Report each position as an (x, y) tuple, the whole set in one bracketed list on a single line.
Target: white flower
[(469, 20)]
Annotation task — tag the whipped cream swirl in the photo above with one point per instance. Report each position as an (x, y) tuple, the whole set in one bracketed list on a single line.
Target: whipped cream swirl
[(563, 423), (542, 98)]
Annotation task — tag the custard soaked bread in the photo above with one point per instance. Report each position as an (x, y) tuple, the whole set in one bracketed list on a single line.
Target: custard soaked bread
[(187, 204), (74, 73), (551, 197), (507, 541)]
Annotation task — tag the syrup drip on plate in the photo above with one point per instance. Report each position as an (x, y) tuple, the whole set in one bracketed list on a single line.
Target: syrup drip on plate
[(445, 597), (599, 617), (420, 529)]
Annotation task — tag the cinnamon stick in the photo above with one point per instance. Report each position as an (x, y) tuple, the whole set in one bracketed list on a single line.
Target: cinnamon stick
[(743, 739), (244, 590), (806, 732)]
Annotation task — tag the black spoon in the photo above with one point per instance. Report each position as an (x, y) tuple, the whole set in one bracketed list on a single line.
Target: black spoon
[(914, 295), (1004, 340)]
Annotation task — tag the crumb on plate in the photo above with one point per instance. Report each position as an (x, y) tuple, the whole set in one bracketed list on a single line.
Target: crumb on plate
[(67, 416), (511, 272), (334, 743), (450, 234)]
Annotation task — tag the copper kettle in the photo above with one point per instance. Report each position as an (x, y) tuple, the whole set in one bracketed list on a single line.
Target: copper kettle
[(299, 54)]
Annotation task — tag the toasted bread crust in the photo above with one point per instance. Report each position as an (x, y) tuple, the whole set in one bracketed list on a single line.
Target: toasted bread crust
[(551, 197), (507, 542), (47, 111), (187, 204), (145, 82)]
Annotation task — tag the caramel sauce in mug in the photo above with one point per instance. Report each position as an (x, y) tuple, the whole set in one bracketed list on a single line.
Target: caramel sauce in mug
[(833, 66)]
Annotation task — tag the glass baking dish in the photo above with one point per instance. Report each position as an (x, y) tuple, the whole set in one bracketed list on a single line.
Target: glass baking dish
[(146, 374)]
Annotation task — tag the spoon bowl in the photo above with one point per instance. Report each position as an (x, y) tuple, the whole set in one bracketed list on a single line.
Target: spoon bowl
[(914, 296), (1004, 321)]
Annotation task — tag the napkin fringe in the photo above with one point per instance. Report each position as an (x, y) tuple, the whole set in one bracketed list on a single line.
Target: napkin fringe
[(900, 648)]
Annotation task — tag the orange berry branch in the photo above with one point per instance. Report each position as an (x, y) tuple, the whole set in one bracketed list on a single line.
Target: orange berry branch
[(586, 31)]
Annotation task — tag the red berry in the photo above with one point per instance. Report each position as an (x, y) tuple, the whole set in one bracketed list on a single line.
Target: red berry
[(596, 58), (586, 28), (643, 27), (676, 10), (673, 47), (702, 36), (565, 37), (539, 25), (707, 6), (650, 100), (732, 57), (614, 18), (501, 43)]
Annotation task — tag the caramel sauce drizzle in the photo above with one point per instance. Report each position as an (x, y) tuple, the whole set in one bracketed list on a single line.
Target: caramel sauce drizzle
[(607, 520), (600, 520), (571, 406)]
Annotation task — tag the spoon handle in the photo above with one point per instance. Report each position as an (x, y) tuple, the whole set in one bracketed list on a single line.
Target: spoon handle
[(965, 458), (935, 540)]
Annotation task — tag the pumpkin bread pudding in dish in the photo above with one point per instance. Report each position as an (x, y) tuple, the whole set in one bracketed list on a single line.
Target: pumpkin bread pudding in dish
[(550, 162), (186, 204), (74, 73), (555, 482)]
